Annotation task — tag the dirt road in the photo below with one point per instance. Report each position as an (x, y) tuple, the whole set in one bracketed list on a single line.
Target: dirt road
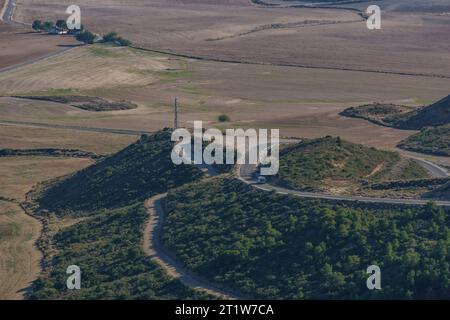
[(155, 250)]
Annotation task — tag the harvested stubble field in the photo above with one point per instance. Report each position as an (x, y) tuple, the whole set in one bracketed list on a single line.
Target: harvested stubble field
[(342, 41), (19, 258), (248, 93)]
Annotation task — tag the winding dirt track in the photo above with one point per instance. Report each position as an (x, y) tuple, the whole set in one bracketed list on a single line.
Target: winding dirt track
[(155, 250)]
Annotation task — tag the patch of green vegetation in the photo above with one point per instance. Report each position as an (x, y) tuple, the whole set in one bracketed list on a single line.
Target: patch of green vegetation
[(166, 76), (192, 89), (433, 140), (136, 173), (108, 249), (284, 247), (174, 74), (310, 164)]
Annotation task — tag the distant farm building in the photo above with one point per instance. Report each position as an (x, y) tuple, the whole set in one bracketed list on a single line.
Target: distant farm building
[(58, 31)]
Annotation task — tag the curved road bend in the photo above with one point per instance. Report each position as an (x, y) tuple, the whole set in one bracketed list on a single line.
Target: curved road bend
[(155, 250), (248, 174)]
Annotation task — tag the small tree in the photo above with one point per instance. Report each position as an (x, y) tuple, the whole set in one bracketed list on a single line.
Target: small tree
[(37, 25), (86, 37)]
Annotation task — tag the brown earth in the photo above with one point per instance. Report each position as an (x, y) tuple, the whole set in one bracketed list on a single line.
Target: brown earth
[(301, 102), (186, 26)]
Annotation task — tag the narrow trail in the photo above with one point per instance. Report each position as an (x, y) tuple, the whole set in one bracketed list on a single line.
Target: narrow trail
[(155, 250), (72, 127)]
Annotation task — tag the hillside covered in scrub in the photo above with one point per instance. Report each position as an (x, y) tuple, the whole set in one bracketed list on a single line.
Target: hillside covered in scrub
[(284, 247), (140, 171), (403, 117), (334, 165), (108, 249), (432, 140)]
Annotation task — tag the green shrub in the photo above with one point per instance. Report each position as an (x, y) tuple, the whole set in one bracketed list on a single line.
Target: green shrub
[(223, 118), (37, 25), (285, 247), (86, 37)]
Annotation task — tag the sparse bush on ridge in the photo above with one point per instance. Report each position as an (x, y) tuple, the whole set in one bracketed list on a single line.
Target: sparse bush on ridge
[(38, 25)]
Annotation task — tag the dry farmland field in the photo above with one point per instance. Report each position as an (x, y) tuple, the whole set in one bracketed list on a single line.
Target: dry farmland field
[(20, 45), (19, 258)]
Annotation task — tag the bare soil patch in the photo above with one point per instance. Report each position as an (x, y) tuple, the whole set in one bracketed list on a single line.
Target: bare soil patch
[(185, 26)]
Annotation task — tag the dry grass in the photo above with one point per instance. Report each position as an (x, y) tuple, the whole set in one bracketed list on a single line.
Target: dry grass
[(301, 102), (20, 174), (185, 27), (19, 259)]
